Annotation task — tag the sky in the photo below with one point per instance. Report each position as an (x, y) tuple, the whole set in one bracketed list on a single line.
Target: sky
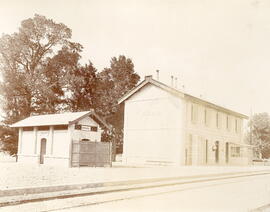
[(219, 50)]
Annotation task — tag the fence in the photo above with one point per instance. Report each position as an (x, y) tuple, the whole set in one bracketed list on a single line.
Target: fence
[(94, 154)]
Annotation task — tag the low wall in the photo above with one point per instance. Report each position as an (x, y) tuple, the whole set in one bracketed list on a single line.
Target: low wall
[(261, 163), (239, 161)]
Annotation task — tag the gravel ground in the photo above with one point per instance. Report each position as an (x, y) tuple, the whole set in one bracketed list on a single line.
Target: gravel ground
[(18, 175)]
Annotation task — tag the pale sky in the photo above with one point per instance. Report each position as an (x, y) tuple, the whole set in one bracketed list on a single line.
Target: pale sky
[(219, 49)]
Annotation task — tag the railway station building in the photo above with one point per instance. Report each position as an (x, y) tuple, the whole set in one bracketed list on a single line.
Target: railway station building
[(166, 126)]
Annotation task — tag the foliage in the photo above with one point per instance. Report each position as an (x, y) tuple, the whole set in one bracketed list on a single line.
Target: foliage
[(114, 82), (83, 88), (35, 63), (259, 135), (41, 74), (8, 140)]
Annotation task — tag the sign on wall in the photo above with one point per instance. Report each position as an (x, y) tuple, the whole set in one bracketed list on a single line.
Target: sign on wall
[(86, 128)]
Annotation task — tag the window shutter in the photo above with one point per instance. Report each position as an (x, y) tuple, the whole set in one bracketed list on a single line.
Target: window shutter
[(239, 125), (220, 120), (229, 123), (195, 112), (208, 117)]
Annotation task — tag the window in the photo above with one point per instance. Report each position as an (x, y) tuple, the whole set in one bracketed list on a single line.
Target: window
[(94, 129), (217, 124), (43, 127), (192, 112), (60, 127), (78, 127), (235, 151), (190, 137), (205, 116), (236, 125), (28, 128), (85, 139), (227, 122)]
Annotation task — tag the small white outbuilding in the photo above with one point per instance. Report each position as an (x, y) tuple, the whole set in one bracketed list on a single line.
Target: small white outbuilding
[(47, 139)]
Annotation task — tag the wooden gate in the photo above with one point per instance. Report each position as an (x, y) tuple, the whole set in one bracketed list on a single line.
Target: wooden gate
[(94, 154)]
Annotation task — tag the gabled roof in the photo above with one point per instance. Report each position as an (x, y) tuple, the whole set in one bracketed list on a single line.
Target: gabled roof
[(59, 119), (150, 80)]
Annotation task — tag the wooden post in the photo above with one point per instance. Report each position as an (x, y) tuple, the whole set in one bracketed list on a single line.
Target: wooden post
[(110, 152), (70, 133), (20, 140), (95, 154), (51, 141), (35, 135)]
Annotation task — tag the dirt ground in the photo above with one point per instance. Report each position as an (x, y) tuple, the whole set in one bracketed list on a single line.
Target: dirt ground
[(18, 175)]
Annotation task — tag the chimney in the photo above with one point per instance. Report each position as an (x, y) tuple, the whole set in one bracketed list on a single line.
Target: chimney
[(175, 82), (148, 77), (172, 81), (157, 75)]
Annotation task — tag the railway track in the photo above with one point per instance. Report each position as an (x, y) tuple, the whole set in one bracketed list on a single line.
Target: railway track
[(115, 191)]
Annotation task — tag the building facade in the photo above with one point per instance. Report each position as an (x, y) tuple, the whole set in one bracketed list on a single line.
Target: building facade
[(47, 139), (166, 126)]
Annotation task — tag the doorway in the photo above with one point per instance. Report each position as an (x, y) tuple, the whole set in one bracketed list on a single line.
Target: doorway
[(227, 152), (217, 151), (42, 150), (206, 152)]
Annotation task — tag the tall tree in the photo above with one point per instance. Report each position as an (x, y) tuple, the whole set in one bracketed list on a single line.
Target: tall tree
[(259, 134), (114, 82), (83, 84), (36, 65), (33, 62)]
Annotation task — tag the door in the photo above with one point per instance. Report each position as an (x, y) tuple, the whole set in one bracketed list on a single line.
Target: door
[(42, 150), (227, 152), (206, 151), (217, 151)]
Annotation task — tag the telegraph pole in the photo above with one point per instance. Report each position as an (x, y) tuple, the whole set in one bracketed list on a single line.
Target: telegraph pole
[(250, 127)]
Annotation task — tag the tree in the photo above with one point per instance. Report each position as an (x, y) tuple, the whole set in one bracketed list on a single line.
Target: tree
[(83, 88), (41, 74), (36, 64), (114, 82), (259, 134), (8, 140)]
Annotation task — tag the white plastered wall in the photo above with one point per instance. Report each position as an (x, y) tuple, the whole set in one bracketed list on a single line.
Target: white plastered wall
[(93, 136), (58, 148), (58, 143), (209, 131), (153, 127), (26, 151)]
